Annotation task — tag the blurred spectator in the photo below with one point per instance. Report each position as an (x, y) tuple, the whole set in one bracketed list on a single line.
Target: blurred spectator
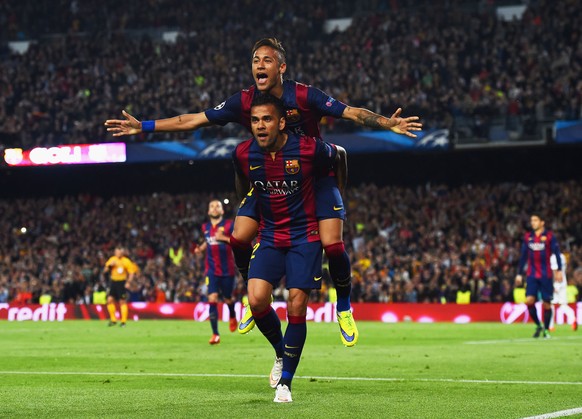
[(421, 244), (458, 67)]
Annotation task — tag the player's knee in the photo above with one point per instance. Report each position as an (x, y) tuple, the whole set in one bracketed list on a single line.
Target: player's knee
[(334, 250), (213, 298), (330, 231)]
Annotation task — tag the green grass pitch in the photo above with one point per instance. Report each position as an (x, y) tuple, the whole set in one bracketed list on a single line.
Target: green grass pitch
[(167, 369)]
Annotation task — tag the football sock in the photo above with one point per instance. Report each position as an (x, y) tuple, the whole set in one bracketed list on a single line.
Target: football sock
[(270, 326), (123, 309), (242, 253), (213, 316), (547, 318), (231, 312), (340, 270), (294, 340), (111, 310), (534, 314)]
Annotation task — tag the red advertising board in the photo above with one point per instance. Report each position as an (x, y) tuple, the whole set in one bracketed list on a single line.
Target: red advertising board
[(387, 313)]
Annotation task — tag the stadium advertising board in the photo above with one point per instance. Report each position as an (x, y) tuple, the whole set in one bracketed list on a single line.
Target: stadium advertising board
[(162, 151), (66, 154), (386, 313), (568, 132)]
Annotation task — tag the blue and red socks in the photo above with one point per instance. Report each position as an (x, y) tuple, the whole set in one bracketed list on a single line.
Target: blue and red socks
[(242, 253), (340, 270), (294, 341), (213, 316), (270, 326), (533, 313)]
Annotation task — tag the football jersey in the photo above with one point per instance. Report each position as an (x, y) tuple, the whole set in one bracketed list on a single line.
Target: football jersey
[(560, 288), (219, 257), (304, 107), (536, 251), (284, 186), (120, 268)]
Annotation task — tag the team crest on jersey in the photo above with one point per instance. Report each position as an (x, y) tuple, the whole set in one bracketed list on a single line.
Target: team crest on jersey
[(292, 116), (544, 238), (292, 166)]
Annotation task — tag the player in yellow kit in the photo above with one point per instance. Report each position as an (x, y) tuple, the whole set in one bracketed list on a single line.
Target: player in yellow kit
[(121, 270)]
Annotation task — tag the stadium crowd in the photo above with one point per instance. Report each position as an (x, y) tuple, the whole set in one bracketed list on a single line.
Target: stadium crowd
[(443, 61), (406, 244)]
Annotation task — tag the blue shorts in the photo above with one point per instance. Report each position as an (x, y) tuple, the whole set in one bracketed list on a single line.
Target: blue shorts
[(224, 285), (328, 200), (248, 206), (545, 286), (300, 264)]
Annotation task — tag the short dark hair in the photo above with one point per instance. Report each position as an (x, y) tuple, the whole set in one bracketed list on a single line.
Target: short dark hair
[(268, 99), (538, 214), (273, 43)]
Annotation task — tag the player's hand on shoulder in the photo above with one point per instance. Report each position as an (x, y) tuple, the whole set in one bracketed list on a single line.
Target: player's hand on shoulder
[(127, 126)]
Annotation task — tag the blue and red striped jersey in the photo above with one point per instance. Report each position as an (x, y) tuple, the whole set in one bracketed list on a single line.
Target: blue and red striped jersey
[(219, 257), (284, 186), (304, 106), (536, 252)]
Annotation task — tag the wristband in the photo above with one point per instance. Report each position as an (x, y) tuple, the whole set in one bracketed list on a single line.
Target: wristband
[(148, 126)]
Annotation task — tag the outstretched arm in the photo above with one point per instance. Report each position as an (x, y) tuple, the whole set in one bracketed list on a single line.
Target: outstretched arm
[(131, 126), (395, 123)]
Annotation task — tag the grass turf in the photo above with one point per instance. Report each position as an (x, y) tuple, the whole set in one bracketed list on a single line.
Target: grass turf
[(167, 369)]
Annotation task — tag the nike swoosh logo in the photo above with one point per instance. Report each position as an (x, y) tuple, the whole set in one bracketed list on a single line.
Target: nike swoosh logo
[(291, 347), (241, 326), (254, 167), (347, 337), (337, 208), (316, 278)]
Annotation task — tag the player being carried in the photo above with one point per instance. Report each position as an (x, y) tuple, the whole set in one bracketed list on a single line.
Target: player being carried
[(304, 107)]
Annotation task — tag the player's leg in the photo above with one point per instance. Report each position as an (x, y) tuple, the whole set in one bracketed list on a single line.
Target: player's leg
[(246, 226), (111, 310), (303, 273), (531, 293), (124, 310), (226, 289), (112, 298), (266, 269), (212, 284), (547, 291), (245, 229), (331, 213)]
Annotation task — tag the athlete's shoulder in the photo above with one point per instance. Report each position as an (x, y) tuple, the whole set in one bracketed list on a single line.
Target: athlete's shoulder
[(243, 147)]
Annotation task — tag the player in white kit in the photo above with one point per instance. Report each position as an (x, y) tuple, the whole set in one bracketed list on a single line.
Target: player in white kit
[(560, 299)]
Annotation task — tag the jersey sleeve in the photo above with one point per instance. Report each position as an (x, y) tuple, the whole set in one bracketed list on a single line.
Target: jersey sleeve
[(324, 103), (228, 111), (325, 154), (555, 247), (523, 256), (229, 228), (553, 263)]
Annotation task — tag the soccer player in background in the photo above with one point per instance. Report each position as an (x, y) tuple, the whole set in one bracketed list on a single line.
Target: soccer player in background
[(281, 167), (219, 266), (304, 108), (538, 246), (560, 298), (121, 271)]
